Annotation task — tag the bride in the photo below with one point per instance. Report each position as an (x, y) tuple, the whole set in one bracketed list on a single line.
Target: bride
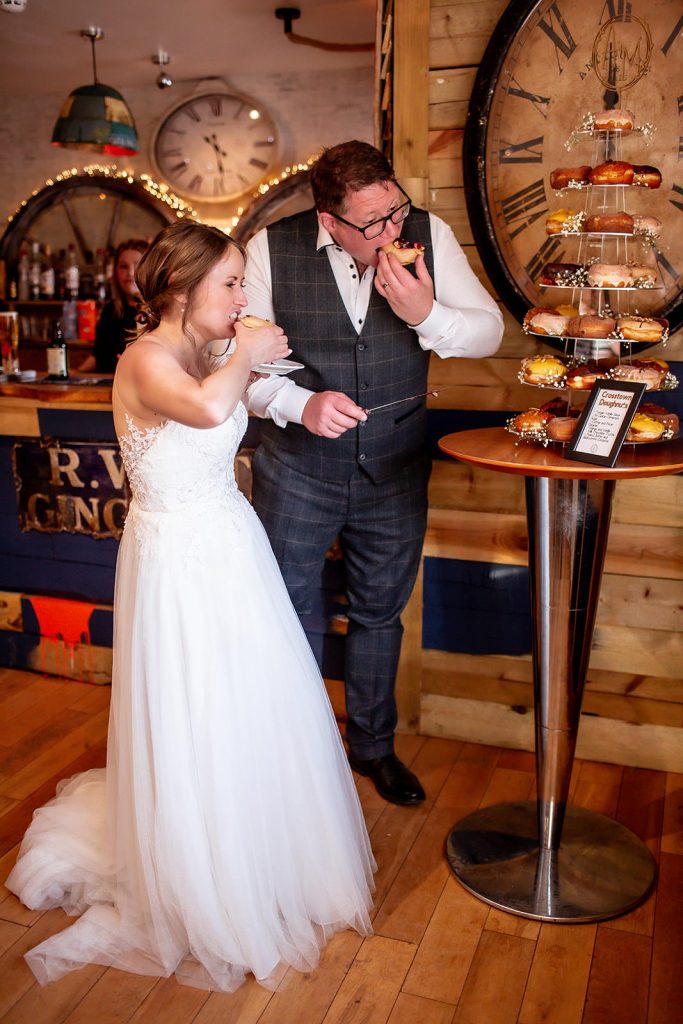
[(225, 835)]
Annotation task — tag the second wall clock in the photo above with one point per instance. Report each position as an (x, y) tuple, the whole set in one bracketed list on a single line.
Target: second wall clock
[(215, 145)]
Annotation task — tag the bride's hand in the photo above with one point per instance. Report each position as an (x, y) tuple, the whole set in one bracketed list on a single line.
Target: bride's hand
[(262, 344)]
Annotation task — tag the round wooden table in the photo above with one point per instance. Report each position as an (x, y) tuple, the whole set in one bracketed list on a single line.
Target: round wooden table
[(545, 860)]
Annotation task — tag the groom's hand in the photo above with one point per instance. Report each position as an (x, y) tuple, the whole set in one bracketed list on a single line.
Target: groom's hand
[(331, 413)]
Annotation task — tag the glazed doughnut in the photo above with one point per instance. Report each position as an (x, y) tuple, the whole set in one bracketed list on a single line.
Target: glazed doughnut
[(545, 320), (647, 176), (646, 375), (561, 428), (532, 421), (556, 221), (612, 172), (644, 428), (590, 326), (564, 274), (658, 412), (644, 275), (646, 225), (405, 252), (617, 120), (562, 176), (606, 275), (641, 328), (543, 370), (583, 377), (567, 310), (254, 321), (610, 223)]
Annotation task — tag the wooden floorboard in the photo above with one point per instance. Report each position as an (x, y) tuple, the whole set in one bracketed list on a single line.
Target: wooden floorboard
[(438, 955)]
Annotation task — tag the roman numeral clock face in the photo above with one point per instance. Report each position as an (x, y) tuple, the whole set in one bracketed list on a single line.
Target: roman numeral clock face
[(548, 64), (215, 146)]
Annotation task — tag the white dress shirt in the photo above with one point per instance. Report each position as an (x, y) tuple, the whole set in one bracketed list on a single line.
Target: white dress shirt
[(464, 319)]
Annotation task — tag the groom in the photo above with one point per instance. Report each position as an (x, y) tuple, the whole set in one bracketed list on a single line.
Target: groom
[(363, 326)]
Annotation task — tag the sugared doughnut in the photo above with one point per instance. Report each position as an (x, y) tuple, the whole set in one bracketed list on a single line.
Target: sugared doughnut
[(404, 251), (590, 326), (647, 176), (561, 177), (641, 328), (644, 275), (532, 421), (546, 321), (543, 370), (658, 412), (607, 275), (617, 120), (583, 377), (610, 223), (646, 375), (644, 428), (650, 226), (563, 220), (561, 428), (564, 274), (612, 172)]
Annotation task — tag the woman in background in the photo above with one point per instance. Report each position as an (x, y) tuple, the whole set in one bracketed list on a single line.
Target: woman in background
[(117, 325)]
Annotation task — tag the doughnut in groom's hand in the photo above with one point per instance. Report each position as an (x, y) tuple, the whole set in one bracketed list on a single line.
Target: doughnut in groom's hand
[(405, 252)]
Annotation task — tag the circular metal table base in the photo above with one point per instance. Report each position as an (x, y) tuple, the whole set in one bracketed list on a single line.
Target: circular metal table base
[(601, 869)]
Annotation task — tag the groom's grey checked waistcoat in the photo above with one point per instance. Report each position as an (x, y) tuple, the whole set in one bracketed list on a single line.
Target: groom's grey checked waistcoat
[(383, 363)]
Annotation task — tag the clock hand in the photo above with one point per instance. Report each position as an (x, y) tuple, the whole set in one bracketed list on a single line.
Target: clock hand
[(217, 152)]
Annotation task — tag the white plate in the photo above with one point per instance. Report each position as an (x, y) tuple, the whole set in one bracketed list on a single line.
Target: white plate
[(279, 367)]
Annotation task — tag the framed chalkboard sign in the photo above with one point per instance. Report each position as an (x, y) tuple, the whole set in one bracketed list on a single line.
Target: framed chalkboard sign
[(604, 422)]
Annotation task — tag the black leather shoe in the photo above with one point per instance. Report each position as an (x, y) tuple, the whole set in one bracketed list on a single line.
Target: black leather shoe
[(392, 779)]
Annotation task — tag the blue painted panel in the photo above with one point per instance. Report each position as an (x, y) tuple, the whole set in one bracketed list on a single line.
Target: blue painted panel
[(76, 424), (77, 580), (65, 547), (16, 649), (476, 607), (446, 421), (8, 494)]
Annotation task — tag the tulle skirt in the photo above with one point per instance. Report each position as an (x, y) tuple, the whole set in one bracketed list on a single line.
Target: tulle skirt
[(225, 835)]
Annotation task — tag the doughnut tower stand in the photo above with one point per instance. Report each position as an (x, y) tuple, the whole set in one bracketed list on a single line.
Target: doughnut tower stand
[(547, 860)]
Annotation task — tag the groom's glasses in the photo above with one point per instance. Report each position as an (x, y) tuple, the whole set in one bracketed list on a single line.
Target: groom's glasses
[(376, 227)]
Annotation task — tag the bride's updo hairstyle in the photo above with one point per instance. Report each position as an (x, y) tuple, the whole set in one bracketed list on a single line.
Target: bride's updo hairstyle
[(177, 262)]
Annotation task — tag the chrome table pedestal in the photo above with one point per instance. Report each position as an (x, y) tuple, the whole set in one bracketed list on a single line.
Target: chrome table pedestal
[(545, 860)]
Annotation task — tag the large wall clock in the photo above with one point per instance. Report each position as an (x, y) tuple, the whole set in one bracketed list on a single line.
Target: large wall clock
[(216, 145), (548, 64)]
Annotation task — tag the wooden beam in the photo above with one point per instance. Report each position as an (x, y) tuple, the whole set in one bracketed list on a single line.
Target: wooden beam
[(411, 96)]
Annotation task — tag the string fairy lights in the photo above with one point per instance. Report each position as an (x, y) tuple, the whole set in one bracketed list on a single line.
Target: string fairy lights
[(158, 190), (287, 172)]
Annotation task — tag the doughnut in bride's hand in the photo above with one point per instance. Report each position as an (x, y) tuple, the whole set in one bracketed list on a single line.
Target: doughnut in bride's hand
[(254, 321)]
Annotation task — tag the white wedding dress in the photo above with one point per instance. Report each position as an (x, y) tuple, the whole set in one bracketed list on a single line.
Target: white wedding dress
[(225, 835)]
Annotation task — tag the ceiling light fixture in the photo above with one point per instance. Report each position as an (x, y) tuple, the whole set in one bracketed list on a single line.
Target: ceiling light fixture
[(161, 58), (96, 117)]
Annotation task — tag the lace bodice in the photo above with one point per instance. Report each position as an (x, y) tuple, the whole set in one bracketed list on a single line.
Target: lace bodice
[(173, 467)]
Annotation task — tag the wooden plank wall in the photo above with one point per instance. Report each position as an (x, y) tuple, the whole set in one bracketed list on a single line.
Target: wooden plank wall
[(633, 709)]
